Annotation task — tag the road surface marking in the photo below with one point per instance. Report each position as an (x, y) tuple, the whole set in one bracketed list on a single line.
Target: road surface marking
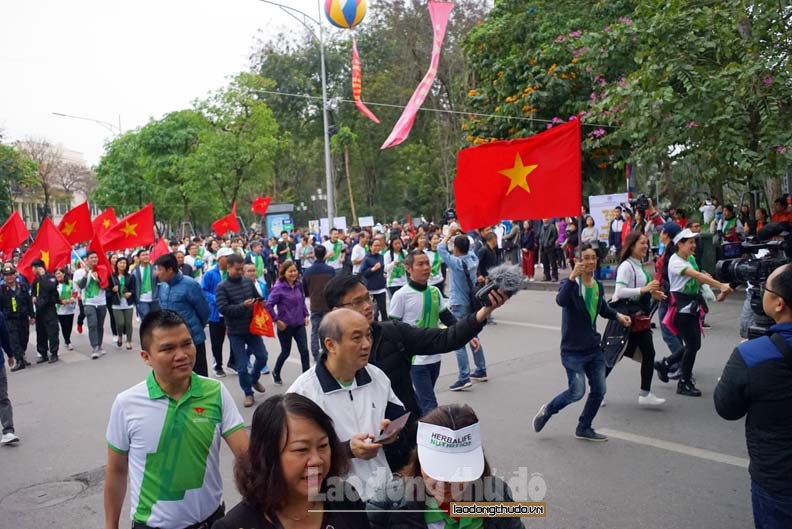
[(676, 447), (531, 325)]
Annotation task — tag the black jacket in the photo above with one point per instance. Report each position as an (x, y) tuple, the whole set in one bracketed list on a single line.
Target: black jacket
[(113, 298), (315, 278), (22, 305), (578, 333), (45, 290), (549, 236), (487, 259), (757, 382), (230, 296), (245, 516)]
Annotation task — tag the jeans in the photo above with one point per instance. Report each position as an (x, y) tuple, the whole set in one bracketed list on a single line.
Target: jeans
[(95, 314), (460, 312), (424, 378), (6, 411), (770, 510), (285, 337), (144, 307), (316, 319), (242, 346), (747, 315), (671, 340), (578, 367)]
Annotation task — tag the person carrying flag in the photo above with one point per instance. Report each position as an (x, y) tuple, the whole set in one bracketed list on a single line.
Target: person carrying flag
[(94, 301)]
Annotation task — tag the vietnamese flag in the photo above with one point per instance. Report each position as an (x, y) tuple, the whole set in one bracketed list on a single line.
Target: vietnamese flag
[(136, 229), (228, 223), (13, 233), (531, 178), (76, 224), (50, 246), (103, 268), (260, 205), (161, 248), (104, 221)]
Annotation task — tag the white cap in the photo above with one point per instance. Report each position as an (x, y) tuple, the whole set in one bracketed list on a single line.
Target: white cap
[(224, 252), (684, 234), (453, 456)]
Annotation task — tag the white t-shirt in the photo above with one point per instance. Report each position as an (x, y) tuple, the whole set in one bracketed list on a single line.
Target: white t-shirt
[(679, 282), (419, 308), (335, 254), (68, 308), (358, 252), (173, 449)]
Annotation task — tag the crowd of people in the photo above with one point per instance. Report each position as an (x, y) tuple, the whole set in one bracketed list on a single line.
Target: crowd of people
[(383, 306)]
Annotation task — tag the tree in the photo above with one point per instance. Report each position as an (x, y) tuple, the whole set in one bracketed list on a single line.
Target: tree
[(49, 162), (16, 169)]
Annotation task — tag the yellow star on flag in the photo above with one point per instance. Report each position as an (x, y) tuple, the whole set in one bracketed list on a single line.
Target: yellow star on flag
[(69, 228), (45, 257), (106, 223), (518, 174), (129, 229)]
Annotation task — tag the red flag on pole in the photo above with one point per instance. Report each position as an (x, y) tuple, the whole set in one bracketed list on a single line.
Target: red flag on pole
[(260, 205), (103, 222), (50, 246), (228, 223), (530, 178), (13, 233), (161, 248), (136, 229), (76, 224), (103, 268)]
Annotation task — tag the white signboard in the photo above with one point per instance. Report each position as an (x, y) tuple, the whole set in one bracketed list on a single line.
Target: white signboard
[(365, 222), (338, 223), (601, 210)]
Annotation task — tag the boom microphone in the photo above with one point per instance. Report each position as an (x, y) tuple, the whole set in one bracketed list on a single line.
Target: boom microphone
[(506, 278)]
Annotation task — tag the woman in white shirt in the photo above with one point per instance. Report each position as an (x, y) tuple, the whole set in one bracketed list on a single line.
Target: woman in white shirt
[(635, 290), (67, 304), (394, 266), (685, 310)]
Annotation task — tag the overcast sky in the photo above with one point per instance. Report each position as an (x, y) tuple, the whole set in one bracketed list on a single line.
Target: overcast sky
[(103, 59)]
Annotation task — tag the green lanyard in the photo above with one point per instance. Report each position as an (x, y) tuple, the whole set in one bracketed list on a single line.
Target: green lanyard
[(65, 290), (145, 275)]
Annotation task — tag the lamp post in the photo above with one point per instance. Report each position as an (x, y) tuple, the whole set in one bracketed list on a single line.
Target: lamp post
[(325, 119), (318, 198), (106, 124)]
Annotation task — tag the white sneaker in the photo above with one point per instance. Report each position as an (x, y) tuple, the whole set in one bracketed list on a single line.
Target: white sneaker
[(102, 352), (115, 337), (9, 438), (602, 404), (69, 347), (650, 400), (95, 355)]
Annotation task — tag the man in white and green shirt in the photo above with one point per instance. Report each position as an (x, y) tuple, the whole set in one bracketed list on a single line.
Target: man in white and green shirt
[(421, 305), (94, 302), (335, 251), (164, 435), (146, 285)]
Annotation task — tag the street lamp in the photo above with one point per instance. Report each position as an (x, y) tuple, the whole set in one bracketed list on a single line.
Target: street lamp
[(318, 197), (325, 131), (106, 124)]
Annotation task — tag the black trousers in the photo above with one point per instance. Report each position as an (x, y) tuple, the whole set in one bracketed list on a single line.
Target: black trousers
[(381, 312), (66, 324), (19, 335), (47, 332), (80, 312), (299, 335), (690, 333), (110, 314), (217, 332), (642, 341), (200, 366), (549, 261)]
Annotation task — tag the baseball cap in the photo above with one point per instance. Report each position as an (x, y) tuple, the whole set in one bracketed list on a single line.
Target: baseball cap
[(224, 252), (684, 234), (38, 262), (453, 456), (671, 229), (8, 269)]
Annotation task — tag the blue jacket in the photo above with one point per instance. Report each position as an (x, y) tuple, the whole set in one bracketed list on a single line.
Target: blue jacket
[(209, 283), (183, 295), (375, 279), (578, 333), (460, 288), (155, 282)]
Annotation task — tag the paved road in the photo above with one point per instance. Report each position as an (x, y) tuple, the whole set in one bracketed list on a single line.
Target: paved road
[(677, 467)]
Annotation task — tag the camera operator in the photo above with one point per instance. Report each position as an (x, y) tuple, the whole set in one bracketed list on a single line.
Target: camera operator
[(757, 382)]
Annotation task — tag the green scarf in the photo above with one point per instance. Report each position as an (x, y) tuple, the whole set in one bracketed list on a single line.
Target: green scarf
[(436, 262), (435, 514), (591, 296), (65, 291), (145, 279), (430, 316), (223, 274), (692, 285), (259, 262), (121, 283), (338, 247), (398, 269), (92, 288)]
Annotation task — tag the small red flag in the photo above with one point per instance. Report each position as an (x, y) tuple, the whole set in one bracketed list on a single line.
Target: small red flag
[(50, 246), (103, 268), (531, 178), (136, 229), (76, 224), (104, 221), (228, 223), (13, 233), (161, 248), (260, 205)]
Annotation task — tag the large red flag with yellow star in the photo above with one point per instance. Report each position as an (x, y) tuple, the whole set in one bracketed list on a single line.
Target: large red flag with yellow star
[(76, 224), (104, 221), (12, 234), (50, 246), (531, 178), (228, 223), (136, 229)]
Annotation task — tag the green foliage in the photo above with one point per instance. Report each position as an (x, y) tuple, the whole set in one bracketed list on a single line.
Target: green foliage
[(16, 169)]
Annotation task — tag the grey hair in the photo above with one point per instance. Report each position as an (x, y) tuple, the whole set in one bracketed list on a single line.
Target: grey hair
[(331, 326)]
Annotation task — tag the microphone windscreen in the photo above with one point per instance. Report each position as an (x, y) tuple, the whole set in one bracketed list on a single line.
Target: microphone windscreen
[(509, 278)]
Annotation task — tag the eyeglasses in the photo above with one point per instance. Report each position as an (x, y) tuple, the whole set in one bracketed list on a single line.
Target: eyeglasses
[(359, 303), (763, 286)]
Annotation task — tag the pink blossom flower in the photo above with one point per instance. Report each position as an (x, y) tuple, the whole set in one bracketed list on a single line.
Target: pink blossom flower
[(556, 120), (560, 38), (692, 124), (607, 29), (597, 133), (588, 69), (781, 149), (575, 34), (625, 20), (768, 80)]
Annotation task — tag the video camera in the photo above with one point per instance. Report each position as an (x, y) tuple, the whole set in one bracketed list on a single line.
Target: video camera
[(774, 243), (639, 203)]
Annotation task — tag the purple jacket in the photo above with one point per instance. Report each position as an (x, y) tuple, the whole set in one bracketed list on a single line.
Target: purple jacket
[(290, 303)]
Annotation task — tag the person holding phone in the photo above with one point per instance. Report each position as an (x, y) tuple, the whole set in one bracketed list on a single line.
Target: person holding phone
[(286, 304)]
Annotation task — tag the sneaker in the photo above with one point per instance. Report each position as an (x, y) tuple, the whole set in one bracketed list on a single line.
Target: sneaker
[(588, 434), (662, 370), (53, 359), (650, 400), (115, 337), (102, 352), (706, 325), (602, 404), (9, 438), (79, 329), (95, 355), (675, 374), (265, 370), (18, 366), (540, 419), (688, 389), (69, 347), (41, 359), (219, 373), (479, 376), (231, 369), (459, 385), (277, 380), (258, 386), (249, 400)]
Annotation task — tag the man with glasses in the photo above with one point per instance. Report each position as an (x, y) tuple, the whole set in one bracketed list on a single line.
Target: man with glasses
[(394, 343), (757, 382)]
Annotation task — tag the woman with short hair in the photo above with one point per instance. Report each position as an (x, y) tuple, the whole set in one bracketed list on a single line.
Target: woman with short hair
[(286, 304)]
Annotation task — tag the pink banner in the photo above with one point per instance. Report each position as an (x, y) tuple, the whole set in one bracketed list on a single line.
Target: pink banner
[(439, 13), (357, 84)]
